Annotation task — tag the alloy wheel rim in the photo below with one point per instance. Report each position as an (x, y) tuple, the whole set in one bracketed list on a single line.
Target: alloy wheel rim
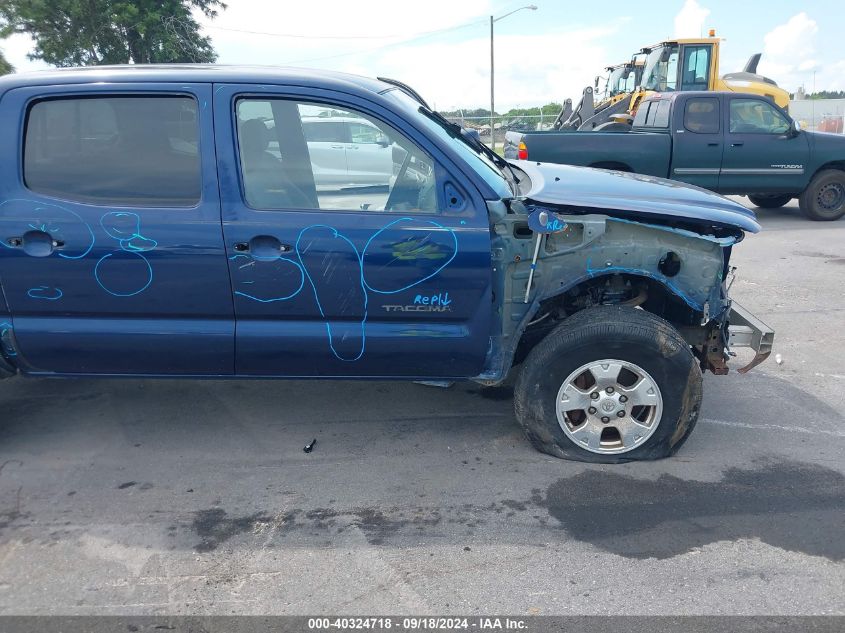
[(609, 406)]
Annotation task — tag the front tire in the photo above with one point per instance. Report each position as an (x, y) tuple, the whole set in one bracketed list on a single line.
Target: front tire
[(770, 202), (609, 385), (824, 198)]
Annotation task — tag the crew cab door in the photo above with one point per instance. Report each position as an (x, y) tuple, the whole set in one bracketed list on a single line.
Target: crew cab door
[(112, 258), (762, 153), (697, 141), (384, 281)]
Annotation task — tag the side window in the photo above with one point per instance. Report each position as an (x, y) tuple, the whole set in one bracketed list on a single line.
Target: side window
[(696, 68), (325, 131), (652, 113), (752, 116), (297, 155), (661, 115), (365, 133), (701, 115), (116, 150), (672, 72), (641, 116)]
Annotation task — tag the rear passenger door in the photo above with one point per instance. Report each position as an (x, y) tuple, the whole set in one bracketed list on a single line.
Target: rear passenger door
[(697, 141), (112, 258)]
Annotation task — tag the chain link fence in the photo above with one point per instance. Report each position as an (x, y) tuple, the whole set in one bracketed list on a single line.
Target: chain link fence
[(503, 124), (823, 115)]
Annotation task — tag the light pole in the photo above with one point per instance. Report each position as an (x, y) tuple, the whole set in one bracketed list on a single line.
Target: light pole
[(493, 20)]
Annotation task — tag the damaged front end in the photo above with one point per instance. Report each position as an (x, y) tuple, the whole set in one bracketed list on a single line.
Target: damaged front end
[(607, 249)]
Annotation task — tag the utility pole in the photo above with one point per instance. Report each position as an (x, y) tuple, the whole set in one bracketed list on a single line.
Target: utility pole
[(530, 7)]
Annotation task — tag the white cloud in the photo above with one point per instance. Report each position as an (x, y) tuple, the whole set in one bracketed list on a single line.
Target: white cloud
[(790, 57), (450, 69), (690, 21)]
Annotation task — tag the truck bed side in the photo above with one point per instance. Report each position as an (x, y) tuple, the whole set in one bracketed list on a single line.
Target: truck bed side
[(640, 152)]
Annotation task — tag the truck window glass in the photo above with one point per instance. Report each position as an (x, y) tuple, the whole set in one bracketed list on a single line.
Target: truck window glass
[(661, 113), (325, 132), (140, 151), (701, 115), (641, 116), (297, 155), (753, 116), (661, 69), (480, 164), (696, 68)]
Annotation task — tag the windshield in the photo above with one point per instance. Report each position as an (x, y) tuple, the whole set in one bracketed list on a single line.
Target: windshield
[(661, 69), (615, 82), (480, 163)]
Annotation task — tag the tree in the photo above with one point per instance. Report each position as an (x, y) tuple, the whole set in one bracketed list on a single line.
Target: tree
[(86, 32), (5, 66)]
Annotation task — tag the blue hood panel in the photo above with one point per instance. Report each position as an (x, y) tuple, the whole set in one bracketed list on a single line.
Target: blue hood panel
[(634, 196)]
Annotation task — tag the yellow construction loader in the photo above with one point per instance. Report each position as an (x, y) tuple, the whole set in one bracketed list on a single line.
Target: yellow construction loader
[(671, 66)]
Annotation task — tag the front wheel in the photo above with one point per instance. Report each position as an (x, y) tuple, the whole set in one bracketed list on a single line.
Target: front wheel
[(609, 384), (824, 197), (770, 202)]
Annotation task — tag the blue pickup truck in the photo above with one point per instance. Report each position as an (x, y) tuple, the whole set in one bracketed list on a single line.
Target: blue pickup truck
[(179, 222), (728, 142)]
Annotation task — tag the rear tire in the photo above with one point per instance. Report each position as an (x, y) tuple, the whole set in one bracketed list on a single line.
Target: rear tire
[(654, 397), (770, 202), (824, 198)]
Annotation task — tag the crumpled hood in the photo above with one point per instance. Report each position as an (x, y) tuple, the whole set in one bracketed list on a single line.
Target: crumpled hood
[(634, 196)]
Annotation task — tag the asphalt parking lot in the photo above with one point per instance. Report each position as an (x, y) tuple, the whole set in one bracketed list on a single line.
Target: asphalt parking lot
[(152, 497)]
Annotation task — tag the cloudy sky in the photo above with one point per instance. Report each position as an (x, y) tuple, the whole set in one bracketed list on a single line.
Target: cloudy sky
[(441, 47)]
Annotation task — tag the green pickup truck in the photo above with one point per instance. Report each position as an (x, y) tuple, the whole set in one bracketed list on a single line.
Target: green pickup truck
[(723, 141)]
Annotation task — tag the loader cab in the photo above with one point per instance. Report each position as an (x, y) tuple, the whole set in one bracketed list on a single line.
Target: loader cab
[(678, 65), (616, 80), (681, 66)]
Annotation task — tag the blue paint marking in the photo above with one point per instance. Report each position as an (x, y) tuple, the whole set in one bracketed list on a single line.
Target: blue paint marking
[(336, 234), (61, 223), (435, 299), (274, 299), (125, 227), (415, 283), (6, 328), (439, 299), (45, 292), (104, 259)]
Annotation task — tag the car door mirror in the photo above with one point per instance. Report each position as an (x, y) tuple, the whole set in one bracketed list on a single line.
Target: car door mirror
[(383, 141), (795, 128)]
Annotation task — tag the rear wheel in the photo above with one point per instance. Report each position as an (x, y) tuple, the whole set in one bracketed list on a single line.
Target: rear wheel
[(610, 384), (824, 198), (769, 202)]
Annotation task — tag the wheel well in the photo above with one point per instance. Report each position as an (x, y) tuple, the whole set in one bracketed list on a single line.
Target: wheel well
[(609, 164), (834, 164), (610, 289)]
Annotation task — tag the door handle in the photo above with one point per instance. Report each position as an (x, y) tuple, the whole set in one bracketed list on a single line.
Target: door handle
[(337, 146), (262, 247), (712, 145), (36, 243), (737, 144)]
